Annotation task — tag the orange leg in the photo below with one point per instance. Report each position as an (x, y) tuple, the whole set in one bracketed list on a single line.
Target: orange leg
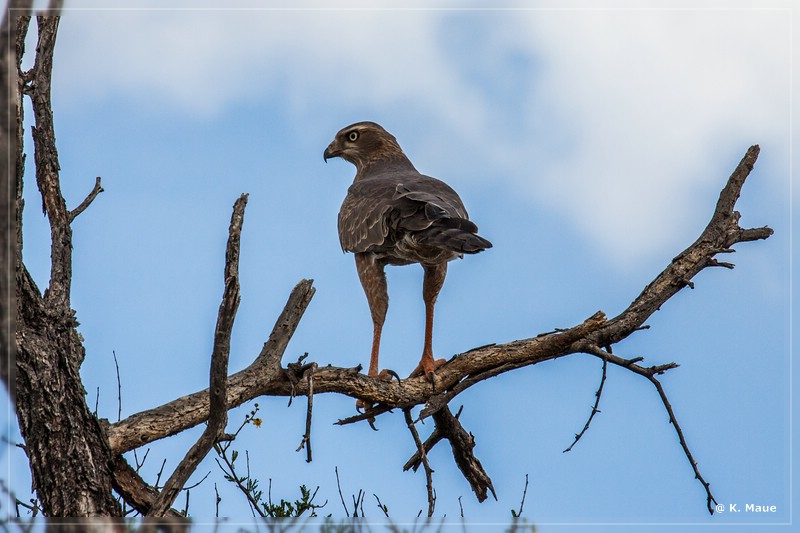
[(373, 280), (376, 348), (431, 285)]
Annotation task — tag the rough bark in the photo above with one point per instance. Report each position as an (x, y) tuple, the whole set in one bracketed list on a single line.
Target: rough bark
[(69, 456), (461, 444), (11, 161), (134, 490)]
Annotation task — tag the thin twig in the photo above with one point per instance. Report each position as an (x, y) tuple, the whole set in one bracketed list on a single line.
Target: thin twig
[(424, 456), (87, 201), (119, 386), (339, 485), (186, 507), (160, 472), (432, 440), (674, 421), (630, 364), (237, 481), (381, 506), (595, 410), (216, 502), (198, 483), (231, 475), (358, 503), (366, 415), (306, 442), (522, 503), (136, 459)]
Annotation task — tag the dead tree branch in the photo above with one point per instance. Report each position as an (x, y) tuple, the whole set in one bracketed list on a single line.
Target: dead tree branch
[(134, 490), (97, 189), (517, 514), (425, 463), (218, 379), (595, 410), (11, 161), (674, 421), (462, 443), (433, 439), (469, 368), (719, 236), (306, 441), (68, 452), (250, 383)]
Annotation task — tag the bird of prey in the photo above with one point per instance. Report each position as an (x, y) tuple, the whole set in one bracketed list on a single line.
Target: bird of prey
[(393, 215)]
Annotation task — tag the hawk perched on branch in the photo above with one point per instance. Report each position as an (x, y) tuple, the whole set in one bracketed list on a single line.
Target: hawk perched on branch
[(393, 215)]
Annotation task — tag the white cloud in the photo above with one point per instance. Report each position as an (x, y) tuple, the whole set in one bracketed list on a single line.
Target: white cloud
[(648, 101), (625, 114)]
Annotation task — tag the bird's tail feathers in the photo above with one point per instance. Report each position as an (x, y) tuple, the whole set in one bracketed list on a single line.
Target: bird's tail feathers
[(453, 234)]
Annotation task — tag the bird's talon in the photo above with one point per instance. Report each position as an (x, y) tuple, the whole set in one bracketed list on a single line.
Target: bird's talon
[(387, 375)]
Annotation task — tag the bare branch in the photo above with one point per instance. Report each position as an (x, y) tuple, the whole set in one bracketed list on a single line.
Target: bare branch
[(48, 168), (341, 497), (232, 476), (11, 157), (306, 442), (595, 410), (425, 464), (448, 427), (674, 421), (433, 439), (524, 493), (218, 379), (119, 387), (188, 411), (462, 444), (133, 488), (464, 370), (87, 201), (721, 233)]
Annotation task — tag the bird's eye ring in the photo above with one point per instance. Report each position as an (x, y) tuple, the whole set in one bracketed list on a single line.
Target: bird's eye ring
[(352, 136)]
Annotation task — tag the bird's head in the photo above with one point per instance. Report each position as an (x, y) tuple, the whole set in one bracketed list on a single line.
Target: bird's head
[(363, 143)]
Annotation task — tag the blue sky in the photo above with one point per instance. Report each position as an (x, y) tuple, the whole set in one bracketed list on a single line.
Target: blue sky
[(589, 145)]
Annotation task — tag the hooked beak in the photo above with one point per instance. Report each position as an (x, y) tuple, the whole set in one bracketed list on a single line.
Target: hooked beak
[(331, 151)]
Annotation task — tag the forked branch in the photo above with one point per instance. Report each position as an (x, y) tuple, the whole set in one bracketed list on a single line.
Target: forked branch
[(218, 379), (467, 369)]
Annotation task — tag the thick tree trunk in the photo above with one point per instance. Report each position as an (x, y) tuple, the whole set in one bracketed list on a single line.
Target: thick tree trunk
[(69, 456), (68, 453)]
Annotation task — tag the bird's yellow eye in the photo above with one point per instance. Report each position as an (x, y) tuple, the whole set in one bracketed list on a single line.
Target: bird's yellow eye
[(352, 136)]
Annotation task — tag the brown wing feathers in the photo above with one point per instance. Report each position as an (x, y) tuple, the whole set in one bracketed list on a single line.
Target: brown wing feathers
[(389, 200)]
